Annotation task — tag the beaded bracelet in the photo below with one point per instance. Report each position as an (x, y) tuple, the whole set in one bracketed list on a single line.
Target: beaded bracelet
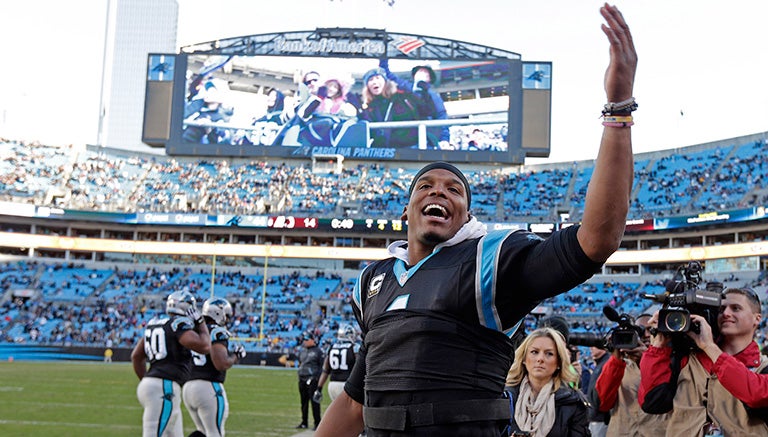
[(624, 107)]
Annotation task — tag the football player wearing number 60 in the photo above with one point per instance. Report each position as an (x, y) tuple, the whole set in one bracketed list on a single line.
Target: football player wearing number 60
[(339, 362), (166, 344), (204, 394)]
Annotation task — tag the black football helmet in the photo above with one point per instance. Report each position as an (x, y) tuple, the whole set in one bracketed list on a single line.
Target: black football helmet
[(347, 332)]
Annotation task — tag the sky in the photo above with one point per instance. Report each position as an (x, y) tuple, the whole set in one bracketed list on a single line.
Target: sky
[(702, 74)]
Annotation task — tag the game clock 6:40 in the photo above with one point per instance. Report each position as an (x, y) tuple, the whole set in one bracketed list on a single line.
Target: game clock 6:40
[(342, 223)]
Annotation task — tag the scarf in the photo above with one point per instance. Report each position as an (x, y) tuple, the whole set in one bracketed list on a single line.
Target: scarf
[(471, 229), (535, 414)]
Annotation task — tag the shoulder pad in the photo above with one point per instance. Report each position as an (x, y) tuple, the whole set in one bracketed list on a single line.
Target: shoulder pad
[(182, 323), (219, 334)]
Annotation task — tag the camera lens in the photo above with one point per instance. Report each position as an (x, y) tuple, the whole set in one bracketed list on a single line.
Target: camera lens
[(676, 321)]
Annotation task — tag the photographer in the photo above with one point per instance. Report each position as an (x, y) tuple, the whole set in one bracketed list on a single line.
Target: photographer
[(616, 390), (598, 345), (716, 388), (598, 420)]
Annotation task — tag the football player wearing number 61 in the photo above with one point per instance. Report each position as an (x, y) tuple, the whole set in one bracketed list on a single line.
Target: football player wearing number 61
[(338, 362), (204, 394), (166, 344)]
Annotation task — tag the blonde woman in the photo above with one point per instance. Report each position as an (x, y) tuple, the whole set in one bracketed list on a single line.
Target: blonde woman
[(539, 382)]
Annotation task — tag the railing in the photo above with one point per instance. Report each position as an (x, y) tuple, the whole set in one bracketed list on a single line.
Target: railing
[(422, 125)]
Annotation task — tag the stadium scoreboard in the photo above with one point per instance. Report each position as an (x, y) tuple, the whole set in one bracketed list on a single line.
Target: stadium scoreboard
[(212, 99)]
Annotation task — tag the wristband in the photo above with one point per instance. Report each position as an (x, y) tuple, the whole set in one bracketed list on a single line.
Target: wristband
[(617, 119), (618, 124)]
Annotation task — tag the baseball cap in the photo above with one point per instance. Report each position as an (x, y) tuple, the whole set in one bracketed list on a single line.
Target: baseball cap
[(558, 323)]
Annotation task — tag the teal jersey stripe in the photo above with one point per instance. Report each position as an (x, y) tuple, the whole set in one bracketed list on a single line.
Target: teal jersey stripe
[(357, 293), (485, 280), (167, 409), (218, 388)]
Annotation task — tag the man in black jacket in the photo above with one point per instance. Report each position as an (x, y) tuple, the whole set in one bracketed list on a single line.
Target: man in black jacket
[(310, 367), (598, 421)]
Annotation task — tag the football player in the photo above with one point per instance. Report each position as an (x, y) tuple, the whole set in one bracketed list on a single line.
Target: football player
[(204, 394), (166, 344), (434, 315), (339, 362)]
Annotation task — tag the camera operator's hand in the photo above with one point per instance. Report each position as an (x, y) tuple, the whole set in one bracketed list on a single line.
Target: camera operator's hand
[(703, 338), (659, 339), (577, 367), (636, 353), (618, 354)]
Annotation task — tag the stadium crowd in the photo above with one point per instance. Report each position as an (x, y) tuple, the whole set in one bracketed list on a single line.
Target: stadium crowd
[(672, 182), (118, 302), (53, 303), (667, 182)]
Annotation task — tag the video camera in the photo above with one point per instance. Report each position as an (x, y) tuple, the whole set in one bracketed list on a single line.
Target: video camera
[(684, 297), (626, 335)]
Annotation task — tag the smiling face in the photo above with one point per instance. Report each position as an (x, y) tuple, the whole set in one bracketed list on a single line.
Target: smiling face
[(541, 359), (376, 85), (737, 317), (334, 88), (436, 210), (311, 80)]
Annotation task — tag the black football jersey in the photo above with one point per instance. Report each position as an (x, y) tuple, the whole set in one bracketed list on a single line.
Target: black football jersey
[(440, 324), (202, 365), (168, 359), (341, 359)]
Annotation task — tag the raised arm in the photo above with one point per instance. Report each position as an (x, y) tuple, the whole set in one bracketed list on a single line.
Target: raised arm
[(607, 201)]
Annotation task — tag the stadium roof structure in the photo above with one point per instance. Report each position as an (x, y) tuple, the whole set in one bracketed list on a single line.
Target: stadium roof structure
[(348, 42)]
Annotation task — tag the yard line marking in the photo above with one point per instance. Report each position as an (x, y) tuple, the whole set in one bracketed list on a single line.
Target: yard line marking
[(82, 425)]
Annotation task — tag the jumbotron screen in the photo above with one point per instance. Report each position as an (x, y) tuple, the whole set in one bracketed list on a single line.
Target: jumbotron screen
[(384, 107)]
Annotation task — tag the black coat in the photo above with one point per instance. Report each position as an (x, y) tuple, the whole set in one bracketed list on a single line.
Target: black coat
[(594, 400), (571, 412)]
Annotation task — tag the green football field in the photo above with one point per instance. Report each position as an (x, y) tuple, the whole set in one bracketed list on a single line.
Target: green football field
[(98, 399)]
